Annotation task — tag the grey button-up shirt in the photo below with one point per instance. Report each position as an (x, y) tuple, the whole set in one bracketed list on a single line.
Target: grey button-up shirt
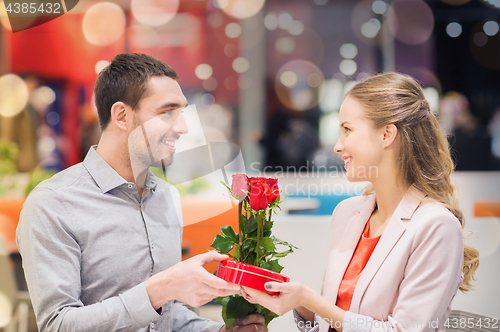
[(88, 243)]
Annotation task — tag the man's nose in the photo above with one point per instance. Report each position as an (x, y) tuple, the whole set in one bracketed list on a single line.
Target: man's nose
[(180, 126)]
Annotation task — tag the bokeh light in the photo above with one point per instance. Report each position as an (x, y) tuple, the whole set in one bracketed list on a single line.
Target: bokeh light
[(333, 94), (100, 65), (298, 85), (242, 8), (480, 39), (414, 21), (432, 96), (454, 29), (289, 78), (364, 22), (42, 97), (285, 45), (348, 51), (154, 13), (485, 49), (297, 28), (233, 30), (210, 84), (207, 99), (371, 28), (241, 65), (13, 95), (491, 28), (103, 23), (52, 118), (203, 71), (285, 20), (46, 145), (230, 50), (348, 67), (379, 7), (271, 21)]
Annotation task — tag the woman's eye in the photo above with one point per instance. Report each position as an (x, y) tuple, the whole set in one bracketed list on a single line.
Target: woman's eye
[(346, 130)]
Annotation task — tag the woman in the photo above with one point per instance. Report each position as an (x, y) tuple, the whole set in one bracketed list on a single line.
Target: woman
[(396, 257)]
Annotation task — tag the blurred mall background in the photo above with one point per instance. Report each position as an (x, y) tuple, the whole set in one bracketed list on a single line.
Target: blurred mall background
[(269, 76)]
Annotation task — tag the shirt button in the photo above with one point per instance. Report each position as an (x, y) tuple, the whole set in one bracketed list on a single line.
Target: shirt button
[(152, 325), (130, 186), (152, 245)]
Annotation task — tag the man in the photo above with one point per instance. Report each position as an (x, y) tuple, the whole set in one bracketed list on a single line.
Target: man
[(101, 240)]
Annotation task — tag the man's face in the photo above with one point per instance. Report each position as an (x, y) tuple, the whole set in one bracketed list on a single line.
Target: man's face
[(158, 124)]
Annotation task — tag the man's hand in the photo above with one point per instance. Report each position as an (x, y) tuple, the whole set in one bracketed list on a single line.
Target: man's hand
[(250, 323), (189, 282)]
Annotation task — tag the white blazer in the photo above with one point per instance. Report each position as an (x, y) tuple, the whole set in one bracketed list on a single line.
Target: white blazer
[(413, 273)]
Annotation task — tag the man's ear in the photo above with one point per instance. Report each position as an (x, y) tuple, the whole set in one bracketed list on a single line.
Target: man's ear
[(119, 115), (390, 134)]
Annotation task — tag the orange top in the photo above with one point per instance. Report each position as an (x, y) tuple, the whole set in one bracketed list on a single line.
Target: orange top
[(361, 255)]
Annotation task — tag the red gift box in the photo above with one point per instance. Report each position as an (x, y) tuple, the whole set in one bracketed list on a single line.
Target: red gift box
[(247, 275)]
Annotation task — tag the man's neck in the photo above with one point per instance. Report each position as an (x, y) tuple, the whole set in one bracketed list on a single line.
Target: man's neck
[(116, 155)]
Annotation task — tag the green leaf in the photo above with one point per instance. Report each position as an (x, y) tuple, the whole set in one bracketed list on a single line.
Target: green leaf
[(267, 243), (237, 307), (251, 225), (222, 300), (228, 321), (267, 233), (284, 243), (272, 265), (249, 244), (230, 233), (222, 244), (268, 225), (236, 254), (268, 315)]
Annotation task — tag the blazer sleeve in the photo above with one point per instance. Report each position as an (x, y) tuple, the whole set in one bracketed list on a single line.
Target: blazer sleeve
[(432, 277)]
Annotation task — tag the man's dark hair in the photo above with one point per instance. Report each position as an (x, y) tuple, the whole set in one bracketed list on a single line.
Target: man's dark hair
[(126, 80)]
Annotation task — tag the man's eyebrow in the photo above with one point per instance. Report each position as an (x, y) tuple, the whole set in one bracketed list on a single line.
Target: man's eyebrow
[(173, 105)]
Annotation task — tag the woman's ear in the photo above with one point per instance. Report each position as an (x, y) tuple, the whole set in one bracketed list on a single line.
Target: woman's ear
[(390, 134), (119, 115)]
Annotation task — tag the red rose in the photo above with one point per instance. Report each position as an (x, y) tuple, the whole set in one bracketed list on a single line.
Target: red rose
[(275, 191), (239, 187), (260, 196), (272, 183)]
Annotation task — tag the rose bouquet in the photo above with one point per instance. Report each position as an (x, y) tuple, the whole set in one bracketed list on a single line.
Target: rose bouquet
[(253, 244)]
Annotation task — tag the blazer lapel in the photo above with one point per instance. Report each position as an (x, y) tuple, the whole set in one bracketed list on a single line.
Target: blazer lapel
[(341, 256), (391, 235)]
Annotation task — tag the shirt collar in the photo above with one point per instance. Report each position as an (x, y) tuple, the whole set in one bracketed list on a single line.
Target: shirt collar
[(106, 177)]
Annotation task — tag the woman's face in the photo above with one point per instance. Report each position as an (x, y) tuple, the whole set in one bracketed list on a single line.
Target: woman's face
[(360, 143)]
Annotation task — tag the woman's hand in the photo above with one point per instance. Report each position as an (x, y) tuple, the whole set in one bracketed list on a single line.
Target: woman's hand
[(292, 295)]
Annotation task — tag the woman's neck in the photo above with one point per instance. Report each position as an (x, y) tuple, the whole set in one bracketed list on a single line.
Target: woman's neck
[(389, 195)]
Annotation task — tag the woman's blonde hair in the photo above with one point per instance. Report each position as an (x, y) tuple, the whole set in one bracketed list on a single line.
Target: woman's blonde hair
[(424, 158)]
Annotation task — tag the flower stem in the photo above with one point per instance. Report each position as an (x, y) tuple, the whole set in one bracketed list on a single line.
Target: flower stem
[(259, 227), (240, 230)]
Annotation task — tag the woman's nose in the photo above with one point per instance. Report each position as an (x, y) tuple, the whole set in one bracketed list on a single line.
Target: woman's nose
[(338, 146)]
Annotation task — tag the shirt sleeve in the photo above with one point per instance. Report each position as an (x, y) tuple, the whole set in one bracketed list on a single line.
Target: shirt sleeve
[(431, 280), (51, 261), (185, 320)]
